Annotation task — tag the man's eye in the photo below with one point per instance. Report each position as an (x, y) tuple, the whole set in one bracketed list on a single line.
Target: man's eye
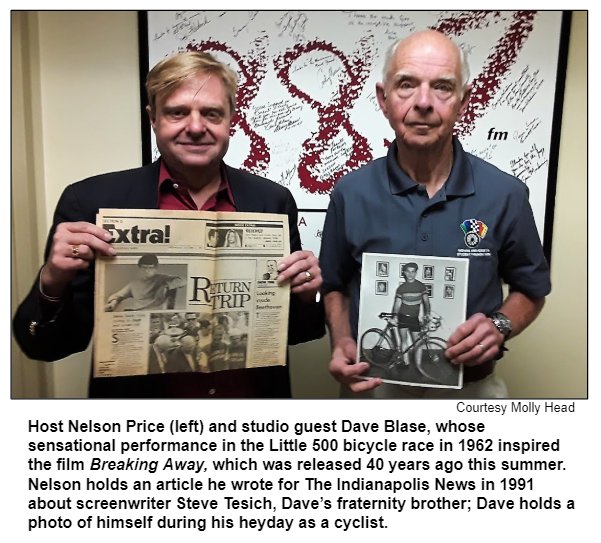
[(214, 116)]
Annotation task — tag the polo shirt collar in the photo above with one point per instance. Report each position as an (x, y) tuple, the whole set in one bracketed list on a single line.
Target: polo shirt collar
[(461, 179), (459, 183)]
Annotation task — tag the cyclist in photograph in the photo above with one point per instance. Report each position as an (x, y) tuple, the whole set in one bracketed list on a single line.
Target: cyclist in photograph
[(410, 297)]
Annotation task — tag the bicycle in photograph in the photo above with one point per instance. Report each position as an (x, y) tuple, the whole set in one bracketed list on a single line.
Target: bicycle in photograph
[(381, 348)]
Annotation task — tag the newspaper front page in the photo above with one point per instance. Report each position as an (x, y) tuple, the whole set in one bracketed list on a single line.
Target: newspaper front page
[(409, 306), (190, 292)]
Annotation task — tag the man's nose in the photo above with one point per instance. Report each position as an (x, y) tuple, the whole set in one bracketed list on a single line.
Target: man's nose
[(423, 98), (196, 123)]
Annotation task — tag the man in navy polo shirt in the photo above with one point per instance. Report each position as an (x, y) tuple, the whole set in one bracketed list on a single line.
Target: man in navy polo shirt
[(429, 197)]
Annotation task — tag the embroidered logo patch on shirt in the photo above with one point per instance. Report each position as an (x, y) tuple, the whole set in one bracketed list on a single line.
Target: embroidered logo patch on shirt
[(474, 231)]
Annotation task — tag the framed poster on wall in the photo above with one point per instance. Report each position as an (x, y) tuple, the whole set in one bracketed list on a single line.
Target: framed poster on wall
[(306, 106)]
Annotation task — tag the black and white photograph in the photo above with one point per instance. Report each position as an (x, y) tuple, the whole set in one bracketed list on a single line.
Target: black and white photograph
[(449, 292), (147, 285), (229, 341), (230, 239), (268, 271), (173, 338), (224, 237), (428, 273), (212, 237), (403, 332), (382, 269), (449, 273), (381, 288), (238, 341), (197, 342)]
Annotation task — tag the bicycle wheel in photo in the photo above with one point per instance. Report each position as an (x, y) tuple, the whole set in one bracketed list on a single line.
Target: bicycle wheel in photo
[(377, 347), (430, 360)]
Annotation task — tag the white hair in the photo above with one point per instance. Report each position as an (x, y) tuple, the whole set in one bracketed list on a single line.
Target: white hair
[(465, 67)]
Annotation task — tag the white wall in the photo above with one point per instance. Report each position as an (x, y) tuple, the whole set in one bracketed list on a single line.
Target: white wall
[(84, 84)]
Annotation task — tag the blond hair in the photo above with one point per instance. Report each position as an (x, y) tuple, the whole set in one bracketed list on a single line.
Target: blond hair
[(171, 72)]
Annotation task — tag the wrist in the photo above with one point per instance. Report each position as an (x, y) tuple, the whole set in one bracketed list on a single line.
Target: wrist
[(49, 290), (343, 343), (502, 324)]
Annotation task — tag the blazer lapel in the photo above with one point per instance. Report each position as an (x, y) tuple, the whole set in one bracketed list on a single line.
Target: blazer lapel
[(246, 199), (144, 193)]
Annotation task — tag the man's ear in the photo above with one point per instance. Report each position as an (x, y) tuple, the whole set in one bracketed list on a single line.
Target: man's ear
[(465, 101), (151, 116), (381, 96)]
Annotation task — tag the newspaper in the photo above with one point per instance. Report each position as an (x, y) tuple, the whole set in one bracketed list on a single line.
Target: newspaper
[(190, 292), (409, 306)]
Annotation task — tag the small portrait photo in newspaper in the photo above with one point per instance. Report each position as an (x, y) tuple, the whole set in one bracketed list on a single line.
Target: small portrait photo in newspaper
[(229, 238), (212, 238), (404, 327), (268, 270)]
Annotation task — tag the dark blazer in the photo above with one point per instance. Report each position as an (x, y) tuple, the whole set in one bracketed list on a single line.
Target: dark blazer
[(71, 329)]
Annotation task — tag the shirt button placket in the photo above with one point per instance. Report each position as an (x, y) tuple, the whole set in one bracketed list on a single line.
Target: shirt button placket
[(425, 227)]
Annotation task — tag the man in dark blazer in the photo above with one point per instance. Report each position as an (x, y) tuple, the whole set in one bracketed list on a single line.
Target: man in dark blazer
[(191, 103)]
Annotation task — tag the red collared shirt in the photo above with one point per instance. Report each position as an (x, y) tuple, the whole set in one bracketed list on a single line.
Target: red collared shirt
[(174, 194)]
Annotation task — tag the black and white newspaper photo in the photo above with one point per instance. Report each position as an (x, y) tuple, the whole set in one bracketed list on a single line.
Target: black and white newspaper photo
[(409, 307), (190, 293)]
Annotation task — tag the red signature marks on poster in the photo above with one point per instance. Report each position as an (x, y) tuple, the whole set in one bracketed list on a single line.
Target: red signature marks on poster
[(253, 67), (317, 173), (499, 62)]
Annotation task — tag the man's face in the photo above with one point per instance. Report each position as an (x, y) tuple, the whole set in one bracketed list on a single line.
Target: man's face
[(410, 274), (421, 97), (147, 271), (218, 333), (156, 324), (192, 125), (213, 239), (271, 266)]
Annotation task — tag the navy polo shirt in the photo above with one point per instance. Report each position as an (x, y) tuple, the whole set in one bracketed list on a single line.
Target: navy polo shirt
[(379, 209)]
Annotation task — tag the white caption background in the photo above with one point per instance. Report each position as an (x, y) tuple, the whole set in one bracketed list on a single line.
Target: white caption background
[(297, 497)]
